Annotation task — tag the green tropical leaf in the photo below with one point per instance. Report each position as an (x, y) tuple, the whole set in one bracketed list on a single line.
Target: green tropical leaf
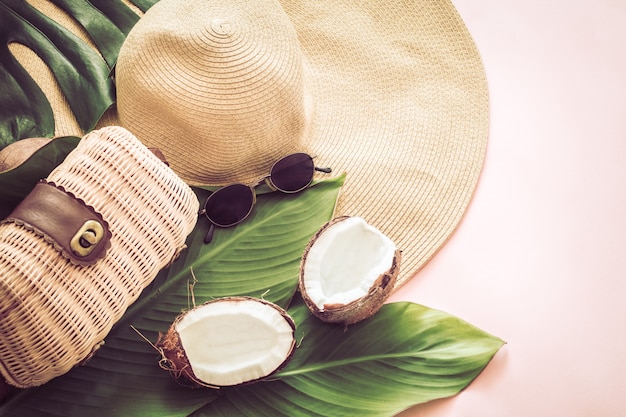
[(405, 355), (259, 257), (81, 72), (143, 5), (106, 21), (15, 184)]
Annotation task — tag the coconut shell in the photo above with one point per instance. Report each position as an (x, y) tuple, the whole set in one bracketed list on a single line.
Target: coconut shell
[(361, 308), (18, 152), (175, 360)]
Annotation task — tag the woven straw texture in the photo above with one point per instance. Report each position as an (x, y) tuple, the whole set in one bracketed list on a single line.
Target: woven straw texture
[(394, 94), (224, 78), (391, 92), (54, 313)]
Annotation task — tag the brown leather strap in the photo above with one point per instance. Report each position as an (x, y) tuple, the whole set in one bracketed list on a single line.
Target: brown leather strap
[(75, 229)]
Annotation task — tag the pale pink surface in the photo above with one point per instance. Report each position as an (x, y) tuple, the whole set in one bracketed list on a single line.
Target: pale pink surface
[(539, 259)]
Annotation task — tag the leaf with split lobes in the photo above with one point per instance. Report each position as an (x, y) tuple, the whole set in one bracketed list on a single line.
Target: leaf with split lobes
[(81, 73)]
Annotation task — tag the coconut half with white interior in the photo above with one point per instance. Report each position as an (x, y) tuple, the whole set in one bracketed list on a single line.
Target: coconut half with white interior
[(348, 270), (228, 341)]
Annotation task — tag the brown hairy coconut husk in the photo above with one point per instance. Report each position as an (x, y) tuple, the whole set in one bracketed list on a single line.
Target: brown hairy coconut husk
[(348, 270), (15, 154), (228, 341)]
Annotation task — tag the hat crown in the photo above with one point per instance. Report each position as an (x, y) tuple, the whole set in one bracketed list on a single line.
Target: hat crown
[(227, 78)]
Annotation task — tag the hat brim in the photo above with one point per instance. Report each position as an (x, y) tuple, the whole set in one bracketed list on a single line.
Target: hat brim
[(401, 105)]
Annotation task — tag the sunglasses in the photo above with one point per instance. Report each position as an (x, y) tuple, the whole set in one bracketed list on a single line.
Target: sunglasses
[(232, 204)]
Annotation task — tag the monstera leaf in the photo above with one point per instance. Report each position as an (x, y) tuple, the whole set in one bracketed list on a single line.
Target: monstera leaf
[(80, 71), (406, 354)]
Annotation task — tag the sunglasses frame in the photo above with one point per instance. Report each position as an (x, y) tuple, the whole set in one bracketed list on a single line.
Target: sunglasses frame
[(267, 180)]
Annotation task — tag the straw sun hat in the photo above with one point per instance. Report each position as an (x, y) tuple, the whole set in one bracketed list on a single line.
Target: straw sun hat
[(391, 92)]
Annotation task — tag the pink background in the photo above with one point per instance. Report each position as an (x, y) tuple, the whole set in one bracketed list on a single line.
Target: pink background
[(539, 259)]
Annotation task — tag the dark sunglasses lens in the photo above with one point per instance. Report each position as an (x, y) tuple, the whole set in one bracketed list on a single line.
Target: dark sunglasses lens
[(229, 205), (292, 173)]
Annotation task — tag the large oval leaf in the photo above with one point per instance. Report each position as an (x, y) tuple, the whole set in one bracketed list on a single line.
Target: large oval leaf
[(406, 354), (259, 257)]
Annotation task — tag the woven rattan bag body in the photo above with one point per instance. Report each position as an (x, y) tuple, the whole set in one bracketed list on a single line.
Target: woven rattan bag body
[(54, 309)]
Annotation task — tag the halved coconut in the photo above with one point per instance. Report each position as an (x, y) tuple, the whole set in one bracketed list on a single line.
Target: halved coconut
[(228, 341), (348, 270)]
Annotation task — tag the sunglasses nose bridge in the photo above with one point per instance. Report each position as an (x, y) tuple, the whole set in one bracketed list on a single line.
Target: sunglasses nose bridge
[(295, 170), (270, 184)]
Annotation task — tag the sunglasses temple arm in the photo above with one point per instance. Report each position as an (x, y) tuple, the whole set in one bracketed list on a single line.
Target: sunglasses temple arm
[(209, 235), (326, 170)]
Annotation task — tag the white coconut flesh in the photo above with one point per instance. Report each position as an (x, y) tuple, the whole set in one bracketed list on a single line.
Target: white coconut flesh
[(235, 341), (344, 262)]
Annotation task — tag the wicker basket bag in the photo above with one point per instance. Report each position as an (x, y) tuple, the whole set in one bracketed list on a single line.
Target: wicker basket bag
[(80, 249)]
